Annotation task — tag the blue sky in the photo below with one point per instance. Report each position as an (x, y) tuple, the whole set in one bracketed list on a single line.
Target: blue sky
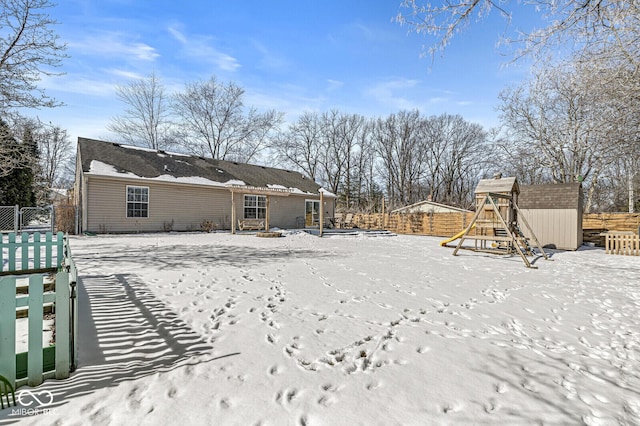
[(291, 56)]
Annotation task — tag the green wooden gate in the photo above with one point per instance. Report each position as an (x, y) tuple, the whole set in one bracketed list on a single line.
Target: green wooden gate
[(31, 262)]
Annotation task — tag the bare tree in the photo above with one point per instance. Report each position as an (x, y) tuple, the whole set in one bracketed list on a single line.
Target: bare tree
[(55, 153), (339, 140), (399, 141), (29, 49), (610, 27), (146, 120), (217, 124), (12, 155), (300, 145), (365, 193), (555, 119), (458, 153)]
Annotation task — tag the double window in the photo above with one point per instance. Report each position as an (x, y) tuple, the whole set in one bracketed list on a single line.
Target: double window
[(137, 201), (255, 207)]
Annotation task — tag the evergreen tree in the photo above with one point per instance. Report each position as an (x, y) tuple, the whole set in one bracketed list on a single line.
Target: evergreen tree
[(16, 188), (32, 150)]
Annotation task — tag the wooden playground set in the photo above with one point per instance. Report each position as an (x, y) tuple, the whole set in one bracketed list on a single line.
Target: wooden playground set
[(496, 226)]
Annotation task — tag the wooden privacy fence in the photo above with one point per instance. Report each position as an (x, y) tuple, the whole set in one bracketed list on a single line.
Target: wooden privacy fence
[(625, 243), (448, 224), (29, 262), (435, 224), (611, 221)]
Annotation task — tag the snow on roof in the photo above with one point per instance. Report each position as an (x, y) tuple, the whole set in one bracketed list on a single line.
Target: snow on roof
[(103, 169), (160, 153), (113, 159)]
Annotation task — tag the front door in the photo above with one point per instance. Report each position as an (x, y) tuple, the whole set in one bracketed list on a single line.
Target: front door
[(312, 213)]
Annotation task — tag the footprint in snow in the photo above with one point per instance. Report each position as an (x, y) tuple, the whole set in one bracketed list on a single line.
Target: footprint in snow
[(423, 349), (501, 387), (271, 338), (274, 370), (491, 406), (452, 407)]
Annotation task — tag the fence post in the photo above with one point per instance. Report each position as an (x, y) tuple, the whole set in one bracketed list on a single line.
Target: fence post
[(16, 218), (8, 328), (62, 325), (52, 216)]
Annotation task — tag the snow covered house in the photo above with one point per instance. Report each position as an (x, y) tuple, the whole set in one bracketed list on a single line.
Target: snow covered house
[(124, 189)]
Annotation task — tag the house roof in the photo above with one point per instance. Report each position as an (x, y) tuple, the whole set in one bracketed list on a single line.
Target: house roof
[(427, 205), (101, 158), (506, 184)]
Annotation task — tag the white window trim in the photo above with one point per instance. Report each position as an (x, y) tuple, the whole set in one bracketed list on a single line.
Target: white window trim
[(126, 203), (244, 205)]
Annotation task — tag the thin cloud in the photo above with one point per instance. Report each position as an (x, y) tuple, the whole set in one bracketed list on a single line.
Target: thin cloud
[(269, 59), (114, 44), (125, 74), (79, 84), (334, 84), (202, 48), (391, 93)]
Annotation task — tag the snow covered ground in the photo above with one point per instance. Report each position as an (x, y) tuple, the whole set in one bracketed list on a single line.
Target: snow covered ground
[(221, 329), (22, 334)]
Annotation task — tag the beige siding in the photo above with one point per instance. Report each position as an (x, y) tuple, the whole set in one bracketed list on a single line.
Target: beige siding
[(186, 206), (284, 211), (554, 227), (178, 206)]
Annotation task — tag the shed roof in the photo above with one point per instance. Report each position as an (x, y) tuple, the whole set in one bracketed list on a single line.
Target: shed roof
[(507, 184), (551, 196), (103, 158), (427, 205)]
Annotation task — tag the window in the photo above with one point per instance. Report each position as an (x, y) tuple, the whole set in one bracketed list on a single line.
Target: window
[(255, 207), (137, 201)]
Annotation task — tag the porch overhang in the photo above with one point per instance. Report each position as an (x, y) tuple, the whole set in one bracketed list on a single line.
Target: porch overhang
[(282, 192)]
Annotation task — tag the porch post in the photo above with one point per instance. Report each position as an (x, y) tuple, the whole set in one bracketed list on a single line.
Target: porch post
[(233, 213), (266, 223), (321, 211)]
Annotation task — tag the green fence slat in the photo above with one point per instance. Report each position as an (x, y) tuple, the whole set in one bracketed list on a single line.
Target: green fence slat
[(48, 247), (36, 288), (36, 250), (24, 245), (12, 252), (59, 250)]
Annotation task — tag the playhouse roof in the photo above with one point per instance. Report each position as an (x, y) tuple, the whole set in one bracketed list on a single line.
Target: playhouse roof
[(500, 185)]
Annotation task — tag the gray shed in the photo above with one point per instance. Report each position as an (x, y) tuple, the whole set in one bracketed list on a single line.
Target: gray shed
[(554, 213)]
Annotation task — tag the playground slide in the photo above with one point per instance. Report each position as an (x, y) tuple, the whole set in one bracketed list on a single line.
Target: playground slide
[(455, 237)]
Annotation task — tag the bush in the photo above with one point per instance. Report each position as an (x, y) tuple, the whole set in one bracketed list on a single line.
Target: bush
[(208, 226)]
